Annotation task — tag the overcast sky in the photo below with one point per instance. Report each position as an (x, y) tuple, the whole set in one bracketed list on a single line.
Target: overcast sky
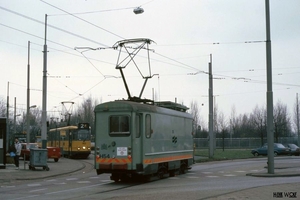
[(185, 34)]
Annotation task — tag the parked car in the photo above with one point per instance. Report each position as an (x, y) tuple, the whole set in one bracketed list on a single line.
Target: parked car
[(25, 151), (279, 149), (53, 152), (295, 150)]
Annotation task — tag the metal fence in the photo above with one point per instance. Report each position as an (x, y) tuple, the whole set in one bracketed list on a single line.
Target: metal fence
[(241, 143)]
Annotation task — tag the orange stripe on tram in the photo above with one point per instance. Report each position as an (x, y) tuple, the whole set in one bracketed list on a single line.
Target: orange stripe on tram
[(113, 160)]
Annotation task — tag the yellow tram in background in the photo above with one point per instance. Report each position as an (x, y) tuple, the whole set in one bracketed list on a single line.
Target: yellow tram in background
[(74, 141)]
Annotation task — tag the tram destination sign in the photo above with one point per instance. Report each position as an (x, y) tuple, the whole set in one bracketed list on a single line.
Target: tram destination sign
[(83, 126)]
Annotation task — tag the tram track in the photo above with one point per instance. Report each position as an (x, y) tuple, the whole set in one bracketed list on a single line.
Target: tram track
[(105, 191), (109, 188), (88, 166), (116, 187)]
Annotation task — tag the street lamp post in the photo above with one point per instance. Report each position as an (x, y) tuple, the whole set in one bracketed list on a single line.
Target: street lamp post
[(28, 124), (15, 125), (44, 103), (28, 98), (28, 95), (270, 125), (211, 108), (15, 116), (7, 119), (15, 122)]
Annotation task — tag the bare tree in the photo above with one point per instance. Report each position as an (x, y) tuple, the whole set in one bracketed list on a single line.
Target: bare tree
[(296, 118), (258, 119), (216, 125), (233, 120), (281, 121), (194, 111), (2, 107), (85, 112), (223, 125), (242, 126)]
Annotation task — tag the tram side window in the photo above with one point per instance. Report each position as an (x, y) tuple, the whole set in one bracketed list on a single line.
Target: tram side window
[(148, 126), (63, 135), (74, 135), (119, 125)]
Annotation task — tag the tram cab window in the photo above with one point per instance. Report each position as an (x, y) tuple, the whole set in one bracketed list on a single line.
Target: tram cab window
[(119, 125), (148, 126), (83, 135)]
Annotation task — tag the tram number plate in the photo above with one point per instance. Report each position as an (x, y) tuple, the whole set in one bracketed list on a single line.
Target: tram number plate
[(104, 155)]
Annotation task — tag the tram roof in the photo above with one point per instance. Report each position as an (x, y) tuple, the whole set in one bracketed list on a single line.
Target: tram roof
[(169, 108), (172, 105), (64, 128)]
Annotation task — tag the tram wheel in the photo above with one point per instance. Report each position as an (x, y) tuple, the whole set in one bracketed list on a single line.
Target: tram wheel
[(172, 173), (182, 169), (115, 177), (161, 172)]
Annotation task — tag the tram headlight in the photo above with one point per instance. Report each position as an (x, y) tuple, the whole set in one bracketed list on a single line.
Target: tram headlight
[(78, 148), (83, 148)]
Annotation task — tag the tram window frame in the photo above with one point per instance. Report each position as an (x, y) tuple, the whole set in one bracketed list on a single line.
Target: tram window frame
[(148, 130), (119, 125), (138, 125)]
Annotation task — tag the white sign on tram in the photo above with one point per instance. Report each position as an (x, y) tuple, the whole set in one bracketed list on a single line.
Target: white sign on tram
[(121, 151)]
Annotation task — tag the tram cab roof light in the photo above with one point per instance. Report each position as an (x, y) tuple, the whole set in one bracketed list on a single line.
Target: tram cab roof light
[(138, 10)]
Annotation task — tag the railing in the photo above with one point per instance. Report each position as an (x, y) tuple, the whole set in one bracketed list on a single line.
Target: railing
[(241, 143)]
